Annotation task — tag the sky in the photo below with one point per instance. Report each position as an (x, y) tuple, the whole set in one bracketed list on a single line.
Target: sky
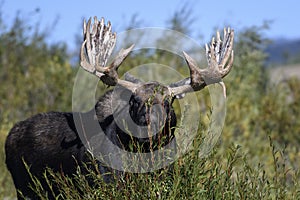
[(68, 15)]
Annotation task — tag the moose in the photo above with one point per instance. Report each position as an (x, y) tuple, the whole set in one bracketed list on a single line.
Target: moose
[(52, 140)]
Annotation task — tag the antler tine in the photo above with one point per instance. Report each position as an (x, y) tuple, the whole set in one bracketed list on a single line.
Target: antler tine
[(88, 40), (218, 46), (227, 48), (84, 27), (208, 54), (98, 44), (120, 57)]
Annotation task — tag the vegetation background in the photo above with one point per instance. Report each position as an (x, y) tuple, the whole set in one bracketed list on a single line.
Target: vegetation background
[(258, 156)]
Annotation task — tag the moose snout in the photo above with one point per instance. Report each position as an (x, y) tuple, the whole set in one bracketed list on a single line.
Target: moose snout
[(150, 121)]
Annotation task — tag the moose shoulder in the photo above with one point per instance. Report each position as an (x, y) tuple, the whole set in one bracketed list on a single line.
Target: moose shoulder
[(52, 140)]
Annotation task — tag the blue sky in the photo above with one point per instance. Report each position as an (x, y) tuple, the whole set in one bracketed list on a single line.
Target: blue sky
[(209, 15)]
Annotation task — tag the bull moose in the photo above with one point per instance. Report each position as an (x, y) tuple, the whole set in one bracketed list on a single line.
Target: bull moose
[(52, 139)]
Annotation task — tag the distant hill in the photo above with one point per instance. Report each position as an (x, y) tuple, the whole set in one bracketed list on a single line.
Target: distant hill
[(281, 73), (283, 51)]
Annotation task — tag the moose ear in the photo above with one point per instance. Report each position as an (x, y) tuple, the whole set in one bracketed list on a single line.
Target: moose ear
[(131, 78)]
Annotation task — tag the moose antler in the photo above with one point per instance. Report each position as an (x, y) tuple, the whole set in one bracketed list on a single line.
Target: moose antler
[(219, 56), (97, 47), (99, 43)]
